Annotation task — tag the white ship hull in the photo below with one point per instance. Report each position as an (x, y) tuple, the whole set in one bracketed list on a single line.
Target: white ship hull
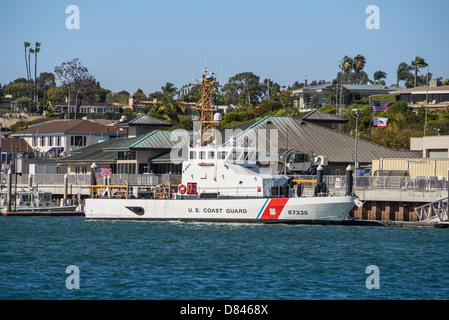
[(263, 210)]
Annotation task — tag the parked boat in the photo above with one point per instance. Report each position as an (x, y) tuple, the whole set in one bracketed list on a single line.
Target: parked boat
[(35, 202)]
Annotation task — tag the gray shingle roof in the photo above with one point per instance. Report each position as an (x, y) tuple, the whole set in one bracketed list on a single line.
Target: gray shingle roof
[(94, 153), (144, 120), (317, 116), (308, 137)]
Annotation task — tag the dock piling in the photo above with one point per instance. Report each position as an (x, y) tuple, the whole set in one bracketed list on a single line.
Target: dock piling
[(9, 188)]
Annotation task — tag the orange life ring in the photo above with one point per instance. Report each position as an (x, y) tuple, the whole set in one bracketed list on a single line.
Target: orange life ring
[(182, 189)]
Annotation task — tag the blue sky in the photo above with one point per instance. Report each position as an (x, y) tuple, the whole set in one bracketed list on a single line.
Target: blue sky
[(135, 44)]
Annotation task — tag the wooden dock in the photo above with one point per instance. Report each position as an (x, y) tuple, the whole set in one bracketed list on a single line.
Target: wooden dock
[(396, 224)]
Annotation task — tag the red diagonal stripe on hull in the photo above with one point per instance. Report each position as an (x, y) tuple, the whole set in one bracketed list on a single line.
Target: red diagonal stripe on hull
[(275, 204)]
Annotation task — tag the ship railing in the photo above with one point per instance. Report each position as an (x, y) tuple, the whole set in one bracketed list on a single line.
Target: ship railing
[(238, 191)]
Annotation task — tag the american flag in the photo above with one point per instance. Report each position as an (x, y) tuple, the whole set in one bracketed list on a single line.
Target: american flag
[(103, 172), (380, 106)]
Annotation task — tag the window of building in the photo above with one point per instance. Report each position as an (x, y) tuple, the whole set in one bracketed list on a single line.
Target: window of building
[(437, 153), (127, 155), (42, 141), (50, 141), (126, 168), (78, 141)]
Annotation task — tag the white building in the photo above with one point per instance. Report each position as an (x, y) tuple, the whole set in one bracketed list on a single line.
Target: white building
[(67, 135)]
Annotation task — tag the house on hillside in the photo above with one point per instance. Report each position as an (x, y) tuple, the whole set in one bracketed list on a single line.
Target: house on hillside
[(320, 95), (435, 95), (7, 103), (86, 108), (65, 136)]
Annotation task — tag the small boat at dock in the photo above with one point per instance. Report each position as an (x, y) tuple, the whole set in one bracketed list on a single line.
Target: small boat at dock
[(36, 203)]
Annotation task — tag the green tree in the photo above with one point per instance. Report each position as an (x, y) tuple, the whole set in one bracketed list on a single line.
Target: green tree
[(347, 64), (77, 79), (379, 75), (352, 70), (168, 109), (139, 95), (17, 89), (243, 89), (418, 63), (23, 103), (57, 94), (359, 62), (46, 80), (403, 73), (121, 98)]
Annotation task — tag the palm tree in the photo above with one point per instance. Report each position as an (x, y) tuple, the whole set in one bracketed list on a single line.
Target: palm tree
[(26, 45), (359, 62), (347, 64), (36, 50), (30, 51), (418, 63), (168, 108), (379, 75), (403, 73)]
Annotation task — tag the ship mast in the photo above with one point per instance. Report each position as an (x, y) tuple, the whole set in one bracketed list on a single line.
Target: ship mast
[(206, 109)]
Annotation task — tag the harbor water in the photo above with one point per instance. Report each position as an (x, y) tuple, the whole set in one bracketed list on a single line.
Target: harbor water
[(72, 258)]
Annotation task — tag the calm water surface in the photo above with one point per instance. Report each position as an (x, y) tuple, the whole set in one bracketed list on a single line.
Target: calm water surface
[(175, 260)]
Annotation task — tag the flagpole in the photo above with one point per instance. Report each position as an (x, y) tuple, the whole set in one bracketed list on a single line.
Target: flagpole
[(370, 108)]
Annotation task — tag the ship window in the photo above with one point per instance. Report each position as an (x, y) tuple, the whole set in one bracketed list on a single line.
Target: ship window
[(192, 155), (235, 155), (222, 154), (211, 155), (202, 155), (250, 156)]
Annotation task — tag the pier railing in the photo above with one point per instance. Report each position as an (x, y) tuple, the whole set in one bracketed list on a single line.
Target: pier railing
[(338, 183)]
